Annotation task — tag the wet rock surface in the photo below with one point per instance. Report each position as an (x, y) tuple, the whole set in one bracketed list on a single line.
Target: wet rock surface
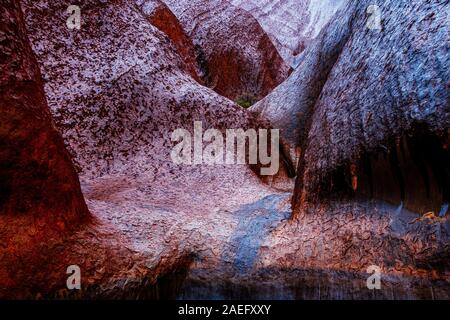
[(116, 89), (326, 253), (393, 88)]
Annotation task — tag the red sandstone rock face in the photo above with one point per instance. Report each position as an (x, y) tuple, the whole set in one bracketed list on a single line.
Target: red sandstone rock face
[(236, 57), (117, 89), (291, 24), (350, 99), (40, 196), (159, 15), (37, 177), (115, 108)]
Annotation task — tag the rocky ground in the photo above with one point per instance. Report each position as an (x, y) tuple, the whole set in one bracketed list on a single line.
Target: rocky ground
[(132, 74)]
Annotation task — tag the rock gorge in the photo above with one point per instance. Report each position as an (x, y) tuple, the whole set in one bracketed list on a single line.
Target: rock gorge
[(86, 176)]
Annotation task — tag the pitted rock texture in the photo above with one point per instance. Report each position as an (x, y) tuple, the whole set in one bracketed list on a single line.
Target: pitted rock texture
[(160, 16), (117, 88), (45, 225), (236, 57), (392, 87), (291, 24), (359, 89), (125, 91)]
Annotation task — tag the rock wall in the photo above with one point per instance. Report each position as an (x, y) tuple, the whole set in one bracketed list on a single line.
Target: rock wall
[(290, 106), (116, 108), (40, 195), (358, 90), (37, 176), (386, 98), (160, 16), (118, 87)]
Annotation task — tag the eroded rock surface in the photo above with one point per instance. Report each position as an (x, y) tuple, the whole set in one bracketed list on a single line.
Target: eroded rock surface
[(360, 90), (291, 24), (386, 91), (326, 254), (37, 177), (117, 108), (40, 195), (117, 88), (236, 57), (290, 106)]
